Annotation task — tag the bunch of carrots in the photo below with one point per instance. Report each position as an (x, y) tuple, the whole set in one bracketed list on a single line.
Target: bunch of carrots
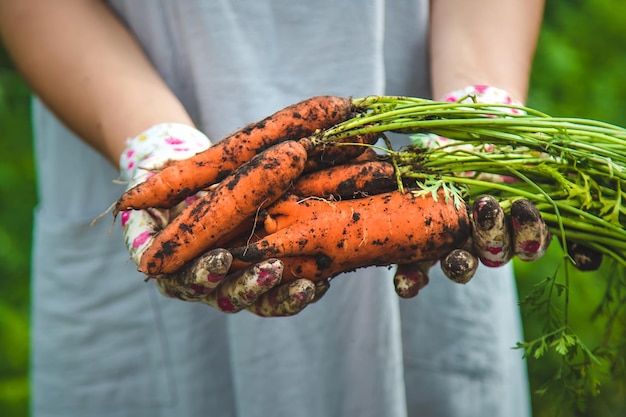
[(311, 186)]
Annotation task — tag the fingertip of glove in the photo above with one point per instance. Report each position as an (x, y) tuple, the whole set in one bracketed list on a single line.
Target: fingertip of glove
[(460, 266), (408, 281)]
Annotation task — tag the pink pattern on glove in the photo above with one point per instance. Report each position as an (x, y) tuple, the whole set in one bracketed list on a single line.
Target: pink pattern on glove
[(483, 94), (225, 304), (189, 200), (124, 216), (492, 264), (173, 141), (264, 277), (480, 89), (141, 238), (214, 278)]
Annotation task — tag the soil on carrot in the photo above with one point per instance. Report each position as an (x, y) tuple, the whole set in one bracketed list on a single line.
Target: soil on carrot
[(384, 229)]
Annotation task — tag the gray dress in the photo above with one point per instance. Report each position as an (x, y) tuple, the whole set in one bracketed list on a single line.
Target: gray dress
[(107, 344)]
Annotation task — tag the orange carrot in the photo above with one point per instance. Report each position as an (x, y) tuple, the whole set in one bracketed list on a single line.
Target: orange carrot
[(254, 185), (384, 229), (185, 177), (244, 232), (352, 179)]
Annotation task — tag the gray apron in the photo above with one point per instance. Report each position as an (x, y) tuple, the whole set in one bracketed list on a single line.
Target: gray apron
[(104, 343)]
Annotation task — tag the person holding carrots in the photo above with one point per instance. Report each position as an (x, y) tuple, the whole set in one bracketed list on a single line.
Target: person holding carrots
[(171, 75)]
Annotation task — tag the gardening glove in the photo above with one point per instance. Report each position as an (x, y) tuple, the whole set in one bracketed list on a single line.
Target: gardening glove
[(207, 278), (496, 238), (523, 214)]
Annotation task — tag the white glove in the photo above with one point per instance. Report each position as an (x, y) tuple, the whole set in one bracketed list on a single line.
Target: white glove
[(206, 279)]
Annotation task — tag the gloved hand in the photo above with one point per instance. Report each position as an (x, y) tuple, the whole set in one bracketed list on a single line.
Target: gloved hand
[(496, 238), (206, 279)]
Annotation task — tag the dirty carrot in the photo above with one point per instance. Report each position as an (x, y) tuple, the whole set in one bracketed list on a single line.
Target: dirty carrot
[(183, 178), (384, 229), (241, 233), (348, 180), (254, 185)]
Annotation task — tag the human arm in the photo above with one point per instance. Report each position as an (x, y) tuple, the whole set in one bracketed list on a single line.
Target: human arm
[(90, 71), (483, 42)]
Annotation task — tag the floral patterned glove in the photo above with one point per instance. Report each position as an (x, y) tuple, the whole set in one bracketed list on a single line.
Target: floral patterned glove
[(206, 279), (496, 238)]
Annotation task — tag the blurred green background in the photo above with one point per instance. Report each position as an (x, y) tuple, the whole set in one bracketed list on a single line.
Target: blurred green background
[(580, 70)]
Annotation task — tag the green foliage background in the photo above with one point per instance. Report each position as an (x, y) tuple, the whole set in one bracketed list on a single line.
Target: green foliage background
[(17, 198), (579, 71)]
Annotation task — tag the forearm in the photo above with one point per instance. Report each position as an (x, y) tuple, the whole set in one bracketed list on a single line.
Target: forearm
[(489, 42), (88, 69)]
